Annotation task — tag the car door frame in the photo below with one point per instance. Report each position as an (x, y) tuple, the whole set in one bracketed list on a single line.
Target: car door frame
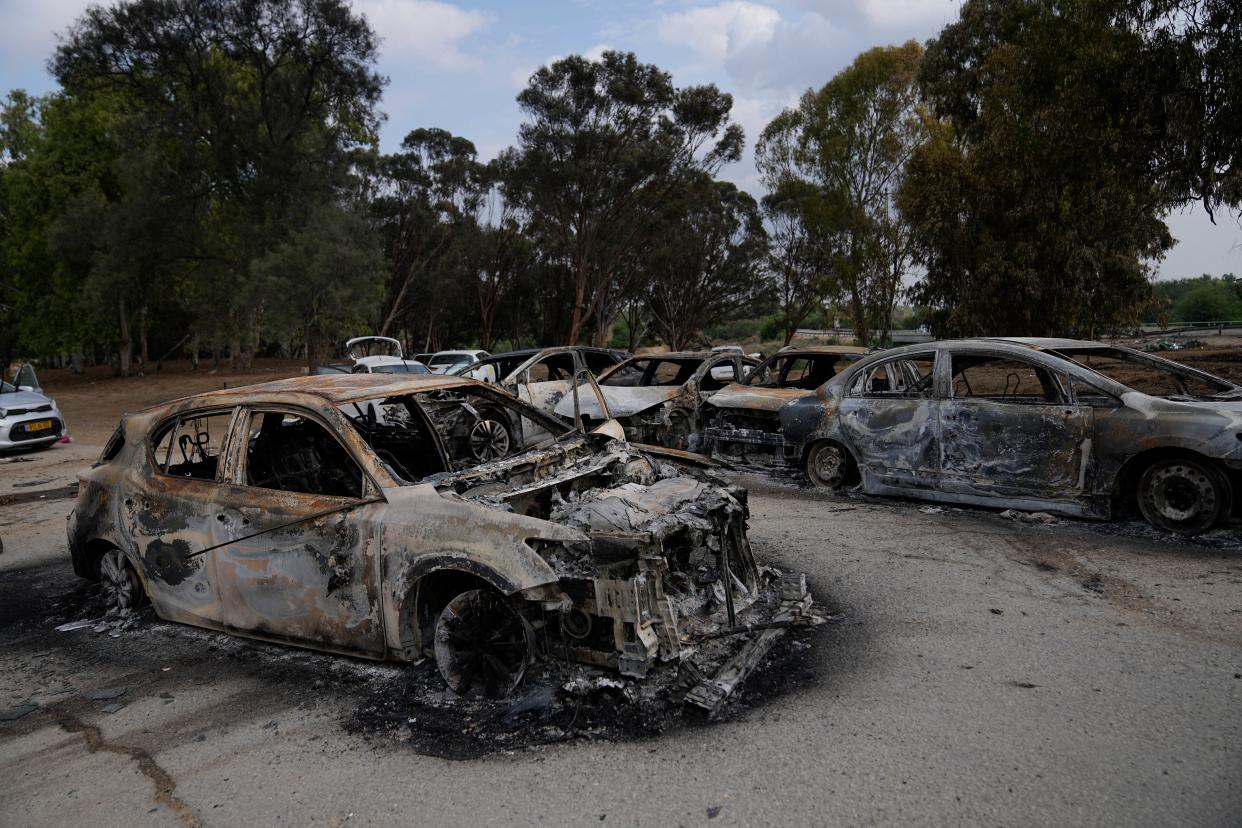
[(168, 541), (894, 439), (319, 551), (1037, 467)]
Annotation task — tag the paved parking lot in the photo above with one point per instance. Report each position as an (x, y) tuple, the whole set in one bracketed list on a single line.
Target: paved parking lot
[(981, 670)]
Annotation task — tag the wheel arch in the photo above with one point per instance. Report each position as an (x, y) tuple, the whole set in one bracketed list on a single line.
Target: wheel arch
[(432, 583), (1125, 484)]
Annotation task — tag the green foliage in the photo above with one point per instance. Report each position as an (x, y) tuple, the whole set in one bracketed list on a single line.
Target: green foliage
[(1031, 206), (1202, 299), (604, 144), (831, 166), (706, 265)]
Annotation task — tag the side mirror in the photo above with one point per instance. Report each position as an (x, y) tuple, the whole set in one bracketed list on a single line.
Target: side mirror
[(25, 388)]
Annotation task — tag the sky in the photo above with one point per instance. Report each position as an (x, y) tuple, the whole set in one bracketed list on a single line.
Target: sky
[(459, 66)]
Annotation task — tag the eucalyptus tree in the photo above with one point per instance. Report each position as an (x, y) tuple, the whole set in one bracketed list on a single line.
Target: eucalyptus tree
[(603, 145)]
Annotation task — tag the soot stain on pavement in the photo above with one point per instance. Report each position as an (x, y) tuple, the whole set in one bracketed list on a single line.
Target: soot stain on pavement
[(410, 705), (561, 702)]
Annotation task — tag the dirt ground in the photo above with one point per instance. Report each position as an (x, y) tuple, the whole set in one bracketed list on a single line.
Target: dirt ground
[(978, 670)]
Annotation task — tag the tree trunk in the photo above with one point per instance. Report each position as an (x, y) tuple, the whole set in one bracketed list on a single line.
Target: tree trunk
[(312, 347), (123, 352), (143, 327), (194, 353), (577, 320)]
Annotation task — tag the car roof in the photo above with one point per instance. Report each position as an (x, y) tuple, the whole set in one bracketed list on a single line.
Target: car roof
[(822, 349), (335, 388), (1045, 343), (681, 355)]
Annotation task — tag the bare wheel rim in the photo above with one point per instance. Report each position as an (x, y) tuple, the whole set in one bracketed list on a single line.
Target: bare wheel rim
[(489, 440), (482, 645), (1180, 493), (117, 581), (829, 465)]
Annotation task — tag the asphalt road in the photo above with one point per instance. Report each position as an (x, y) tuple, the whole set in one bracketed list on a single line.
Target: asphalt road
[(983, 671)]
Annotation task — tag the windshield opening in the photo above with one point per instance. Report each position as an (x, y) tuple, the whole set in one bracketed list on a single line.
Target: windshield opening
[(1156, 378), (418, 435), (801, 371), (653, 371)]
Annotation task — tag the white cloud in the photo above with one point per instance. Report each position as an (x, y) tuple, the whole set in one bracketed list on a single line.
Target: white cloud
[(910, 13), (716, 32), (427, 31), (520, 75)]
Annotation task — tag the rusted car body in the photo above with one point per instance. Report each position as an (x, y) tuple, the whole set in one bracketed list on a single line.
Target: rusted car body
[(742, 421), (383, 516), (656, 398), (1028, 424), (542, 377)]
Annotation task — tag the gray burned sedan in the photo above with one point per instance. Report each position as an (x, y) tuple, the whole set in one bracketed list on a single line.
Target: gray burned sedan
[(1067, 426), (398, 516)]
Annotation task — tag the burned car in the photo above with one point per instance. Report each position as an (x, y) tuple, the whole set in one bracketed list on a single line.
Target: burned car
[(656, 398), (400, 517), (742, 421), (541, 377), (1029, 424)]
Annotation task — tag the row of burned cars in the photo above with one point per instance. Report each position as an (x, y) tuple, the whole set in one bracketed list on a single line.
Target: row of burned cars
[(1064, 426), (570, 510)]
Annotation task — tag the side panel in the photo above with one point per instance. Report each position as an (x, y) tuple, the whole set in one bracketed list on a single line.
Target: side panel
[(315, 581), (168, 521), (896, 440), (1005, 449)]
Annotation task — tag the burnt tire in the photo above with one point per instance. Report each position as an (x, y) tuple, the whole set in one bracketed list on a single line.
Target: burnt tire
[(829, 465), (482, 644), (490, 437), (119, 583), (1184, 495)]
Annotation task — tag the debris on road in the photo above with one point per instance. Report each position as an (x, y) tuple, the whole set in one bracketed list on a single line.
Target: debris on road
[(17, 712), (105, 693), (1028, 517)]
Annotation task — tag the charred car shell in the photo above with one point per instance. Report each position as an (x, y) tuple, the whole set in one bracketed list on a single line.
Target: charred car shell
[(742, 421), (542, 377), (657, 397), (235, 511), (1018, 423)]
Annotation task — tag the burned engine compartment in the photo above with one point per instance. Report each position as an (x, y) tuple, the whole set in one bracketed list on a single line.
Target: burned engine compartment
[(664, 572)]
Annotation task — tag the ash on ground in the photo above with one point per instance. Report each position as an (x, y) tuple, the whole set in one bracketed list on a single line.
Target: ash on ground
[(560, 702)]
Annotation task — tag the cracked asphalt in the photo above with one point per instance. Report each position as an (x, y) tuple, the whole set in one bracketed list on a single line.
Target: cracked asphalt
[(984, 671)]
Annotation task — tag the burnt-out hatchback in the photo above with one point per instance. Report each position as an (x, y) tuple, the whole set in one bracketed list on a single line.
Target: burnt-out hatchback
[(397, 517), (1079, 428)]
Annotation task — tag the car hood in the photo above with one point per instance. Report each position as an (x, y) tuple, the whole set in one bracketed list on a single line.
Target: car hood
[(622, 401), (24, 399), (753, 398)]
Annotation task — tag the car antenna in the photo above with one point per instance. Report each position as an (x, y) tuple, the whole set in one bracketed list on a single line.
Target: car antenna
[(315, 516)]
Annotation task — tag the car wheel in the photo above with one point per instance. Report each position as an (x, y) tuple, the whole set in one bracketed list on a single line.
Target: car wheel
[(482, 644), (828, 465), (489, 438), (121, 588), (1183, 495)]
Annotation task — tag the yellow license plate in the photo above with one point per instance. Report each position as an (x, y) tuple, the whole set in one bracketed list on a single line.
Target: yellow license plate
[(39, 425)]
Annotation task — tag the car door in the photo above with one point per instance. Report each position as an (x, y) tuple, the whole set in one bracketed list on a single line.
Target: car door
[(1008, 428), (542, 385), (890, 415), (298, 536), (168, 509)]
